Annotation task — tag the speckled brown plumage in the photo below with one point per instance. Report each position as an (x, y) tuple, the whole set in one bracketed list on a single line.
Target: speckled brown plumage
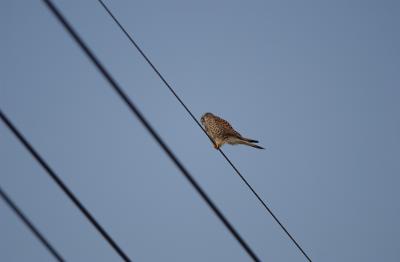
[(222, 132)]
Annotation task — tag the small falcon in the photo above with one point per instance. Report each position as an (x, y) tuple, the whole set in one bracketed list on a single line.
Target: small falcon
[(222, 132)]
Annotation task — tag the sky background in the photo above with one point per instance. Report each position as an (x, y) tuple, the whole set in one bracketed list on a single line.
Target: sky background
[(317, 82)]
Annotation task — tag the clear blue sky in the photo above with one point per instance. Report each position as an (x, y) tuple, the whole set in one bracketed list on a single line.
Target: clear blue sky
[(317, 82)]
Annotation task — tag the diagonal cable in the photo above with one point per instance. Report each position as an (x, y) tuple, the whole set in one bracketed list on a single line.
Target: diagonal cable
[(197, 122), (63, 186), (30, 225), (149, 128)]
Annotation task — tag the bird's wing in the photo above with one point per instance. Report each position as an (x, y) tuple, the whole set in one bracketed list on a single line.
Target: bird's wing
[(228, 129)]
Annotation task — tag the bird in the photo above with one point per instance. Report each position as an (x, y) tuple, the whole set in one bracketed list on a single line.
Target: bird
[(221, 132)]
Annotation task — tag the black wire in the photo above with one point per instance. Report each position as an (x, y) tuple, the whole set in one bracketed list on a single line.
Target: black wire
[(64, 188), (30, 225), (194, 118), (149, 128)]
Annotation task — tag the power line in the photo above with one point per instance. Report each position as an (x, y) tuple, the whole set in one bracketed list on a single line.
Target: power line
[(30, 225), (149, 128), (197, 122), (63, 186)]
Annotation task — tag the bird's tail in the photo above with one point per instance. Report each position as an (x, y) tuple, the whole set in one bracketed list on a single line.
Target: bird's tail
[(250, 140), (247, 142), (251, 144)]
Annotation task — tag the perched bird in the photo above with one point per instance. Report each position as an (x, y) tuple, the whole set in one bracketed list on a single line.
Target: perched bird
[(222, 132)]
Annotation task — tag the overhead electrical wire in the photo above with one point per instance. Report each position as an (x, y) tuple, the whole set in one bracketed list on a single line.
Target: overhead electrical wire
[(30, 225), (197, 122), (149, 128), (63, 186)]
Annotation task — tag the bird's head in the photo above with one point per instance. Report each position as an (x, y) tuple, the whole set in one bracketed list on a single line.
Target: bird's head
[(204, 118)]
